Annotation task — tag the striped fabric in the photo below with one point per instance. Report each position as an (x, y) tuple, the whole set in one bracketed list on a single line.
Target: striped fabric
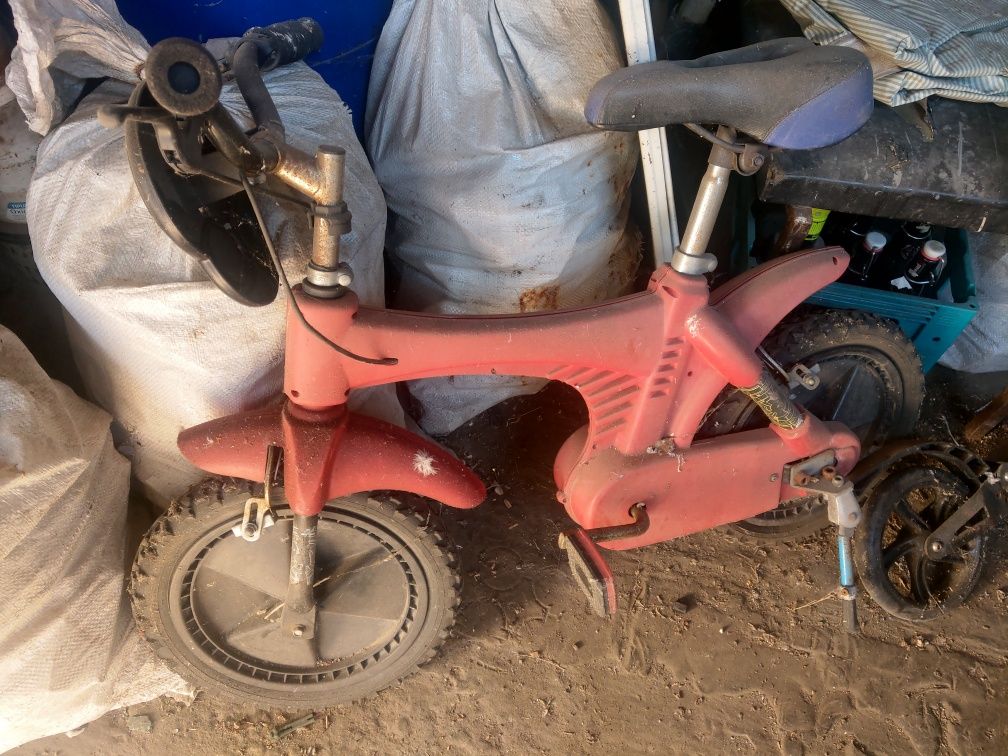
[(952, 48)]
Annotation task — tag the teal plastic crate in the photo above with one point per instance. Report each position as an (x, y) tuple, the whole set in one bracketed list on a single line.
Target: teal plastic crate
[(932, 324)]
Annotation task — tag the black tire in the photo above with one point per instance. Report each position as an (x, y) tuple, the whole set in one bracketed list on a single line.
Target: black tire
[(895, 586), (833, 340), (177, 611)]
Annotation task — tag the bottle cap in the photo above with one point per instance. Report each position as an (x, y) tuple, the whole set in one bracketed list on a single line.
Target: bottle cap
[(875, 241), (933, 250)]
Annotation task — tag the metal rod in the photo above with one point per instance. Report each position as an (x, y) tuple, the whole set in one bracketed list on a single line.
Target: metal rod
[(705, 210), (691, 256), (638, 34), (299, 606), (327, 229), (304, 531), (848, 591)]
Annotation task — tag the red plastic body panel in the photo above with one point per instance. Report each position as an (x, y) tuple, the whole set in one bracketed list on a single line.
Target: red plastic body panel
[(366, 455), (648, 366)]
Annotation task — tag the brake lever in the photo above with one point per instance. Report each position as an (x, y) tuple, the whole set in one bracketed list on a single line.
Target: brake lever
[(177, 139)]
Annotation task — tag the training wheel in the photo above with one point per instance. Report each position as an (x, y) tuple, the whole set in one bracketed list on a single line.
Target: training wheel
[(894, 562)]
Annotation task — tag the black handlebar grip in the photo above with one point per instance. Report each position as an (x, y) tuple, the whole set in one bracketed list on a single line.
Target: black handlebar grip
[(286, 42)]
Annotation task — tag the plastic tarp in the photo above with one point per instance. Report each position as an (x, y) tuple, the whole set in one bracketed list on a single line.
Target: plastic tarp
[(502, 198), (69, 651)]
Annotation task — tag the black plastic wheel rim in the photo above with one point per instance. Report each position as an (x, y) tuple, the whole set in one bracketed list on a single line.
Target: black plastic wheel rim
[(226, 603), (855, 390), (912, 576)]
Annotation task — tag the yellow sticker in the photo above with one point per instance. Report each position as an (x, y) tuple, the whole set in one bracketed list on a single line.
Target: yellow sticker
[(818, 221)]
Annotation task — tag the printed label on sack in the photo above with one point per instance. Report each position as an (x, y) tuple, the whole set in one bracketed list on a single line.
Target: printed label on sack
[(16, 211)]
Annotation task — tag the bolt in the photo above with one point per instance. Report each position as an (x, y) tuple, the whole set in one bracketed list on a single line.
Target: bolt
[(250, 529), (774, 477), (829, 472), (344, 279), (937, 547), (299, 630)]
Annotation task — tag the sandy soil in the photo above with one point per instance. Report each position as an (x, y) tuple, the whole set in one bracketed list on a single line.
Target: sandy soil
[(757, 664)]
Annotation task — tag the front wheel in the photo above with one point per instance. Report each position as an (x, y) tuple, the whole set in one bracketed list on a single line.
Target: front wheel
[(210, 603)]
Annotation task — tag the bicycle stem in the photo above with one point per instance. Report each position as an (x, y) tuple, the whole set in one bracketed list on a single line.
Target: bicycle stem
[(318, 177)]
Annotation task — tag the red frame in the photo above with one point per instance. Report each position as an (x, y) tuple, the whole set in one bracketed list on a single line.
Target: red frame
[(648, 366)]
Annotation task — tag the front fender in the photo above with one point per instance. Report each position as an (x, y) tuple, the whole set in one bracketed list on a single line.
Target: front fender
[(368, 455)]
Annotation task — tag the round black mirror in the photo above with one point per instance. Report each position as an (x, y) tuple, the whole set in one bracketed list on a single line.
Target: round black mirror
[(182, 77)]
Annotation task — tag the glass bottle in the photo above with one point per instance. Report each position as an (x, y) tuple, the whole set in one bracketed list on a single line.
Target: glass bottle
[(864, 260), (924, 271)]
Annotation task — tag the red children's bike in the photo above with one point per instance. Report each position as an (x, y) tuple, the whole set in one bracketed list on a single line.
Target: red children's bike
[(287, 580)]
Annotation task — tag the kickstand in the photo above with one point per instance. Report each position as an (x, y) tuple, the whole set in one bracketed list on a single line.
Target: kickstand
[(814, 477)]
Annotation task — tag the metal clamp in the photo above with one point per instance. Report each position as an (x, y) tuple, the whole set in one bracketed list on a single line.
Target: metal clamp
[(340, 276), (804, 377), (693, 265), (798, 376), (338, 215), (259, 511), (258, 515), (750, 159), (823, 480)]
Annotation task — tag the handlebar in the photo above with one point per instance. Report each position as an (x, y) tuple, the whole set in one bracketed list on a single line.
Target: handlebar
[(175, 114), (285, 42), (185, 80), (264, 48)]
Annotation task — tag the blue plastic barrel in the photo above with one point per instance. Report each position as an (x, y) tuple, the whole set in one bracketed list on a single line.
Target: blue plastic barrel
[(351, 30)]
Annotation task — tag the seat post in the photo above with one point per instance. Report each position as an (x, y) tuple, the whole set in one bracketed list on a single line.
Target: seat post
[(691, 257)]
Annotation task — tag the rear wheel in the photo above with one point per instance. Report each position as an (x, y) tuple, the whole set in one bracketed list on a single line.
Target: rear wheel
[(210, 603), (870, 379)]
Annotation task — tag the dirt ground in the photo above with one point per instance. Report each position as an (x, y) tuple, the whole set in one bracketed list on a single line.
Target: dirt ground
[(758, 664)]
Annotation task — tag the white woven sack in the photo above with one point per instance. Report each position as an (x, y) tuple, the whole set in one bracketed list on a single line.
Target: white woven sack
[(69, 651), (502, 198), (60, 44)]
